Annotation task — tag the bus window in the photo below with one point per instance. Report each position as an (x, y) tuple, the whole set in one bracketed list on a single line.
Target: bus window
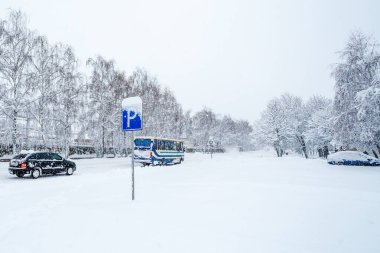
[(166, 145), (163, 145), (142, 142), (171, 145), (160, 145)]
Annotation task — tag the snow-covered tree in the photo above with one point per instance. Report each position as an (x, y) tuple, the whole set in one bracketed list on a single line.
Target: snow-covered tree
[(368, 102), (102, 105), (47, 104), (288, 123), (272, 127), (295, 117), (243, 134), (203, 123), (319, 127), (355, 81), (16, 76), (69, 90), (44, 62)]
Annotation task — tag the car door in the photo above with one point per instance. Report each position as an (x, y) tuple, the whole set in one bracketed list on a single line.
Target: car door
[(44, 161), (32, 160), (57, 162)]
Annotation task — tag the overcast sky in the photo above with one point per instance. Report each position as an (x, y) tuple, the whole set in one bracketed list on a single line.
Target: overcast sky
[(231, 56)]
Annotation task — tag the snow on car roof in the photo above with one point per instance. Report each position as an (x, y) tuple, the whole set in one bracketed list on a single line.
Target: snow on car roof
[(350, 155)]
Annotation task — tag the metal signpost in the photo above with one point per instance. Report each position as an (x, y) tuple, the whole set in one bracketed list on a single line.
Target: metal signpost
[(132, 121), (211, 146)]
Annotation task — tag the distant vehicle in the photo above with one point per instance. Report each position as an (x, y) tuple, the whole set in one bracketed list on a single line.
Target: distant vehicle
[(36, 164), (352, 158), (158, 151)]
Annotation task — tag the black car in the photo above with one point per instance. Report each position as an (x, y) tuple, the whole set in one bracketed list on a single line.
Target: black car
[(40, 163)]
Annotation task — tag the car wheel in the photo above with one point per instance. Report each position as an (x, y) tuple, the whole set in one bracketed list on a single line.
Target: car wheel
[(35, 173), (20, 174), (69, 171)]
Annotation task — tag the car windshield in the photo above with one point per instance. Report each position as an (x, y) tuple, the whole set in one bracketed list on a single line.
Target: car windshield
[(20, 156), (142, 142)]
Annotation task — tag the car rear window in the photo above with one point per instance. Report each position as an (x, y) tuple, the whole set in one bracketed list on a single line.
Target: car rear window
[(33, 156), (20, 156)]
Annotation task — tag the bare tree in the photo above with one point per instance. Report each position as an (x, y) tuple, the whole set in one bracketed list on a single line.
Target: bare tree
[(15, 70), (46, 73), (70, 88), (102, 109)]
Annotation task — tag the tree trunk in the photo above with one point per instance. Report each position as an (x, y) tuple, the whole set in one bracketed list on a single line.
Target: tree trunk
[(43, 135), (102, 155), (301, 140), (67, 142), (27, 134), (14, 132), (277, 150)]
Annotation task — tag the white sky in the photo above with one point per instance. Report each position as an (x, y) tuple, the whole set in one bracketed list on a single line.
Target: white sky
[(232, 56)]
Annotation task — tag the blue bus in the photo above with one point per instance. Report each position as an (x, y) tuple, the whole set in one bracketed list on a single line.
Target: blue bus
[(158, 151)]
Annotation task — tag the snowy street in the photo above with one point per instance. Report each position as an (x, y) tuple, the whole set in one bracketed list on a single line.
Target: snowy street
[(236, 202)]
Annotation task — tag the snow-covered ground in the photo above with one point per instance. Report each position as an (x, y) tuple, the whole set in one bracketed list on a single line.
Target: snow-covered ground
[(237, 202)]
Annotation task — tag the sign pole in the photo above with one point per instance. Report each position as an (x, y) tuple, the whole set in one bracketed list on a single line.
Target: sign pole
[(132, 121), (133, 166)]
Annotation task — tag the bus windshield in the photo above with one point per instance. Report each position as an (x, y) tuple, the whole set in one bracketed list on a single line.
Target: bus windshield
[(142, 142)]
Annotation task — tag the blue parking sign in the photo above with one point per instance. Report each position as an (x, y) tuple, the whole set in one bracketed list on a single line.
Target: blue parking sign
[(131, 121), (132, 114)]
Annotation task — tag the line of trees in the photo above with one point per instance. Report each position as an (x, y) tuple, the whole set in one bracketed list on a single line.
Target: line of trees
[(47, 102), (350, 122)]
